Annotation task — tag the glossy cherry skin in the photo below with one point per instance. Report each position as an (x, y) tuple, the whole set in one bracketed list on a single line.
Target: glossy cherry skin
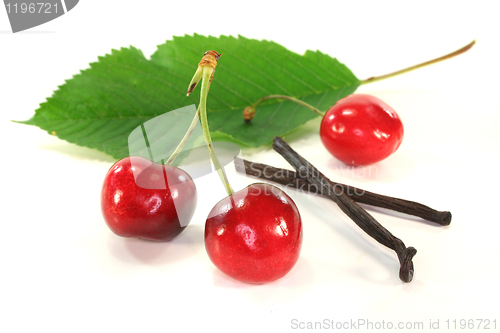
[(361, 129), (136, 202), (254, 235)]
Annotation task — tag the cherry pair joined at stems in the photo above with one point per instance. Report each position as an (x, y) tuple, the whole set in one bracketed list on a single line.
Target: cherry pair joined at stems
[(253, 235)]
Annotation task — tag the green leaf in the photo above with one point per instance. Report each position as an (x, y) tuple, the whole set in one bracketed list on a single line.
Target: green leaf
[(251, 69), (102, 105)]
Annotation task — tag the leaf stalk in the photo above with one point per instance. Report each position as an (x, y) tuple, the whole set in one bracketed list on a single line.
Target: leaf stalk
[(423, 64)]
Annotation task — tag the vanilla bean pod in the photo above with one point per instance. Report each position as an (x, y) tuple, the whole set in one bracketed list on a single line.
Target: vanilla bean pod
[(292, 179), (360, 216)]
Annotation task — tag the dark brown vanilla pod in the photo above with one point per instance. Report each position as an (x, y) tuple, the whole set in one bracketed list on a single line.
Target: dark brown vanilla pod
[(360, 216), (292, 179)]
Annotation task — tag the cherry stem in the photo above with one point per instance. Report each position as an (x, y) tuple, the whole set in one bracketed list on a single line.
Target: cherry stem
[(430, 62), (249, 112), (288, 98), (184, 140), (205, 84)]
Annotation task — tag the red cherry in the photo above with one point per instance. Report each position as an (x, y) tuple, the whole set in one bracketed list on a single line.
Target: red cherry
[(135, 201), (361, 129), (254, 235)]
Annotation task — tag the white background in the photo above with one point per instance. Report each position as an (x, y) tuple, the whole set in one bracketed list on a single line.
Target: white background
[(62, 270)]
